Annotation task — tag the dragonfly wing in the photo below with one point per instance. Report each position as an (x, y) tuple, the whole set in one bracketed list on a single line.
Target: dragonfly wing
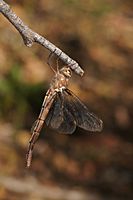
[(81, 114), (68, 125), (55, 115), (59, 118)]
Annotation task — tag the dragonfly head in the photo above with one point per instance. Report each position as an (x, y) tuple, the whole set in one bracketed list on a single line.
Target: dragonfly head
[(66, 71)]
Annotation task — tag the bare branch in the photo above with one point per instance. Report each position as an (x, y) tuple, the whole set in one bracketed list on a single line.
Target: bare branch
[(29, 37)]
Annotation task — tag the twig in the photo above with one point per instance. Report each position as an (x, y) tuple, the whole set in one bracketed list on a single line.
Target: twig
[(29, 37)]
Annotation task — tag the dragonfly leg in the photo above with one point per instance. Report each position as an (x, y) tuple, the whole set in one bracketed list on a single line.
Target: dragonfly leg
[(48, 61)]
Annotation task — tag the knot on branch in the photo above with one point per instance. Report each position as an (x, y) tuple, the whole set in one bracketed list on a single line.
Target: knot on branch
[(28, 37)]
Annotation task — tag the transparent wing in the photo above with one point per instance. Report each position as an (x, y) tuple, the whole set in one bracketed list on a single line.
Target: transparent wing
[(80, 112), (55, 115), (59, 117)]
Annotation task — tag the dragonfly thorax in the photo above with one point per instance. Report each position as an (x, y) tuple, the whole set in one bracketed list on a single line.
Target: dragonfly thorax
[(60, 89), (60, 81)]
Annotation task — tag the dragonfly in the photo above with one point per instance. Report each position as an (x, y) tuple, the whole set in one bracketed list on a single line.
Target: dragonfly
[(62, 111)]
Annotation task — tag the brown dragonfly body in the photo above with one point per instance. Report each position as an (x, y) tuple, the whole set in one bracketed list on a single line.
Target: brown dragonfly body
[(62, 111)]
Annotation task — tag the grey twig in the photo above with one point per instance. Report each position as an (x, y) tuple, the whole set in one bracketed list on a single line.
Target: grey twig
[(29, 37)]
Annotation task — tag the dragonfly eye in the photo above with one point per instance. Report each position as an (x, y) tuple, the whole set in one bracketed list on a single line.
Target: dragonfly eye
[(66, 71)]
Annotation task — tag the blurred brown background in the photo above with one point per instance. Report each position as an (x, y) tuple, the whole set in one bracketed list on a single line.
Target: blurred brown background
[(86, 166)]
